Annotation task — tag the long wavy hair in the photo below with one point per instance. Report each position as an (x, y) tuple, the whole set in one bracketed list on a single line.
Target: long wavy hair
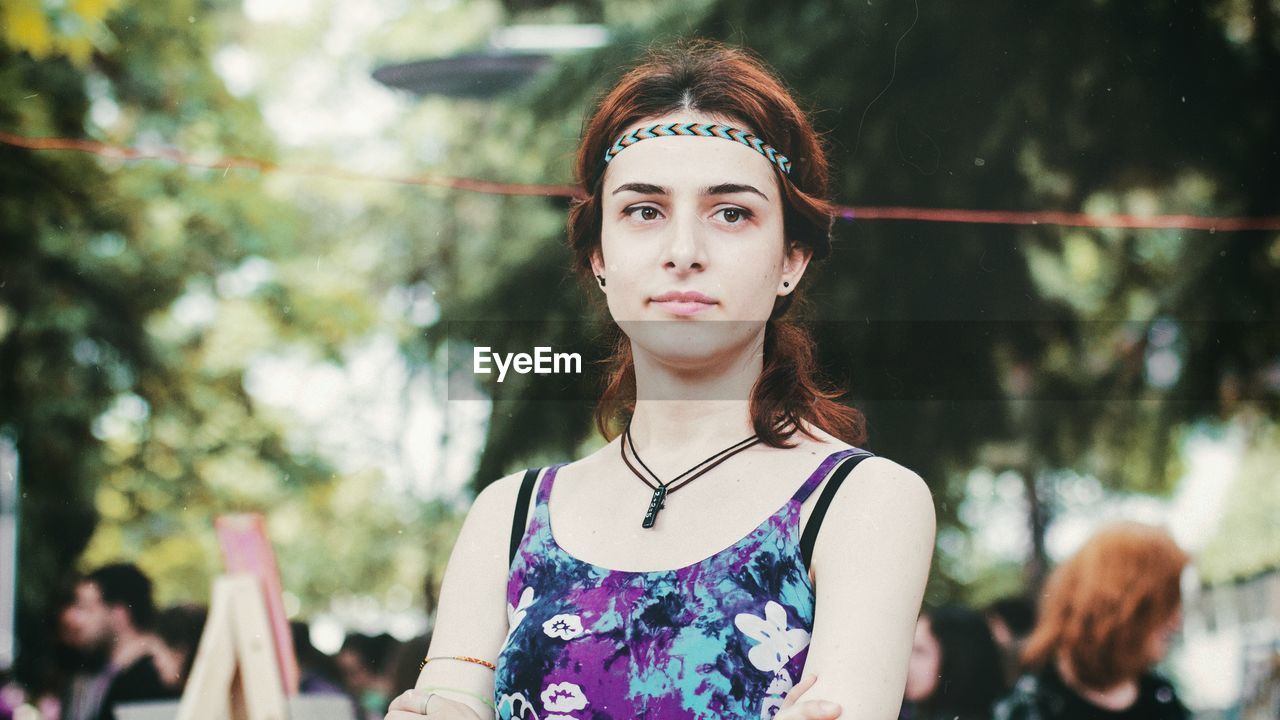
[(1100, 608), (730, 83)]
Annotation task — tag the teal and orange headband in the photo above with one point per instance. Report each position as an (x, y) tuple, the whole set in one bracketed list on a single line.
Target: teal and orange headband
[(770, 153)]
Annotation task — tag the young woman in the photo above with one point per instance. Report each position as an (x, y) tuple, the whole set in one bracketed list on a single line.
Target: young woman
[(705, 202), (1106, 618), (955, 670)]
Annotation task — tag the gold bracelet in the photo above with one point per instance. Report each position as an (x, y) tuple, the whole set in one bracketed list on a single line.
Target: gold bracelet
[(478, 696), (463, 658)]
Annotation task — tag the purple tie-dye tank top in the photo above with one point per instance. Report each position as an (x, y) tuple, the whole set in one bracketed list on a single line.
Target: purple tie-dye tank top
[(725, 637)]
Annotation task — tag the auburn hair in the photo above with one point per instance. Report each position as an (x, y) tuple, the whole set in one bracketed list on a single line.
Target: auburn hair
[(1100, 608), (733, 84)]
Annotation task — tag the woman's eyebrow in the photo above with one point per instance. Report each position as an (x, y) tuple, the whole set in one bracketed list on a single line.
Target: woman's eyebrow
[(731, 188), (722, 188), (642, 188)]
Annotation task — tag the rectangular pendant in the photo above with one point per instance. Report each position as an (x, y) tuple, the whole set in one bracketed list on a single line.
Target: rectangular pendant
[(655, 504)]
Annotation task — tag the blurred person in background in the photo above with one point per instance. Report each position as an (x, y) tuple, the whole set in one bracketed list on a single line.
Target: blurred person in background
[(955, 669), (1106, 618), (179, 629), (82, 664), (113, 615), (365, 662), (1011, 620), (56, 664), (318, 672)]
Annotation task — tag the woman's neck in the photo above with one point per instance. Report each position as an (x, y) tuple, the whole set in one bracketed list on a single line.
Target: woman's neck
[(1118, 697), (674, 435), (728, 375), (684, 414)]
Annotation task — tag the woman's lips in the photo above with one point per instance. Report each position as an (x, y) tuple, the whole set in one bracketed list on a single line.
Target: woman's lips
[(687, 302)]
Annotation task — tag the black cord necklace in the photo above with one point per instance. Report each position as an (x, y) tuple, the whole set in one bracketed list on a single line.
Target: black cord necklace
[(661, 489)]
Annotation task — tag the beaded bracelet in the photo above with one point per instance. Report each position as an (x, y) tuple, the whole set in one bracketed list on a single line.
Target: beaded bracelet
[(487, 701), (463, 658)]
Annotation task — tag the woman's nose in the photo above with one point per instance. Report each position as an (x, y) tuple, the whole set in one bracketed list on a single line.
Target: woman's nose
[(684, 250)]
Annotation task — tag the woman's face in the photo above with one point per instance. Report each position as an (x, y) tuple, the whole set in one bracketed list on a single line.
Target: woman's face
[(924, 665), (692, 231)]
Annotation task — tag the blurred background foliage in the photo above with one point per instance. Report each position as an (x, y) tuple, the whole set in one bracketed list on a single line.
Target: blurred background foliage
[(172, 338)]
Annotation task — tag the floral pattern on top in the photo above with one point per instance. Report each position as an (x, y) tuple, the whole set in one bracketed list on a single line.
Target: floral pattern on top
[(726, 637)]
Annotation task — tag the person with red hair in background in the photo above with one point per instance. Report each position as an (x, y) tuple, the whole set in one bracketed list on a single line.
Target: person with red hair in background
[(1106, 618), (704, 199)]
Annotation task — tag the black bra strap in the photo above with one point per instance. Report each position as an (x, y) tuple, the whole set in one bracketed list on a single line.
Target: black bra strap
[(522, 511), (810, 535)]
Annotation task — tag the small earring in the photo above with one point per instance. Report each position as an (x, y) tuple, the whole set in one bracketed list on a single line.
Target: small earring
[(786, 284), (601, 279)]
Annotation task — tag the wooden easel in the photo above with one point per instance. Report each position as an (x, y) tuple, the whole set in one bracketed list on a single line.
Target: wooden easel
[(244, 668), (235, 674)]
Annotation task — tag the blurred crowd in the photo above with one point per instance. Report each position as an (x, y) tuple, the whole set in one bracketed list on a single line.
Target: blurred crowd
[(1085, 650), (112, 646)]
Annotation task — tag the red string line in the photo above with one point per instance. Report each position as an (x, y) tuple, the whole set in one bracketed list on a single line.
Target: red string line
[(991, 217), (232, 162), (1013, 217)]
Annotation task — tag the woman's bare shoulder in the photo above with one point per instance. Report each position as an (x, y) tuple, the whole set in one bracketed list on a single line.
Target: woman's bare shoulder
[(498, 498), (497, 501), (879, 489), (876, 477), (888, 485)]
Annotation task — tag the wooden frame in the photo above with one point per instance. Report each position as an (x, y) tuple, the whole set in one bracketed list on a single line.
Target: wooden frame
[(235, 674)]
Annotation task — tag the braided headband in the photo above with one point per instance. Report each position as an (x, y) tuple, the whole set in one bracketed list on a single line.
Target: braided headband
[(701, 130)]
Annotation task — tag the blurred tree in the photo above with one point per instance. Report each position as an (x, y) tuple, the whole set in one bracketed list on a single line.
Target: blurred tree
[(1246, 541), (1000, 107), (131, 302), (88, 257)]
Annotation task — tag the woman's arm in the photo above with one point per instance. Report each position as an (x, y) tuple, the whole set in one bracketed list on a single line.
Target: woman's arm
[(472, 616), (870, 563)]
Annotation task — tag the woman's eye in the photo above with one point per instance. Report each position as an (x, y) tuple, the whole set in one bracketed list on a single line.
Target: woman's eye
[(644, 212), (733, 216)]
